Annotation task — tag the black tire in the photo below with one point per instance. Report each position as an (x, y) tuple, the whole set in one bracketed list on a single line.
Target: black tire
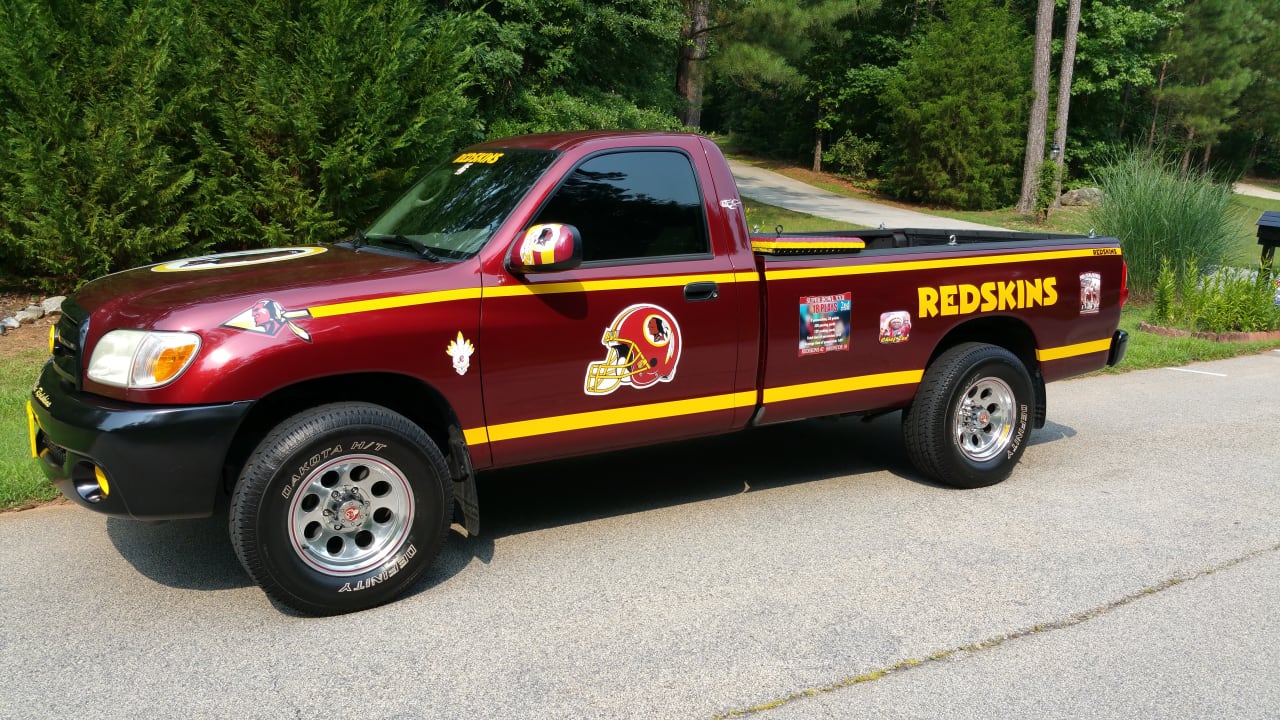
[(968, 424), (341, 508)]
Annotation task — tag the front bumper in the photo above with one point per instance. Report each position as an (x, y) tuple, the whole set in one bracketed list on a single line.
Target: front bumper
[(142, 461)]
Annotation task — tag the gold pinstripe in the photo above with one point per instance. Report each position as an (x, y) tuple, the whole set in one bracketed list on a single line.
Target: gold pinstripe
[(803, 273)]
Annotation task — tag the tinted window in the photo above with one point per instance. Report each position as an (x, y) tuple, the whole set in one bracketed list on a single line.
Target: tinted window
[(632, 205), (458, 206)]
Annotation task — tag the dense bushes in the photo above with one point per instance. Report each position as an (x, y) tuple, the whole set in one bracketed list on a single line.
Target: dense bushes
[(961, 147), (1225, 300), (131, 131), (1159, 212)]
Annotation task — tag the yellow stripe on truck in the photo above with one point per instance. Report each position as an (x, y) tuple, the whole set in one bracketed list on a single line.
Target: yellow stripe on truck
[(1067, 351)]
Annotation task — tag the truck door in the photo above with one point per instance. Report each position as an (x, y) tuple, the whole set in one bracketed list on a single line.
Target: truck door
[(635, 346)]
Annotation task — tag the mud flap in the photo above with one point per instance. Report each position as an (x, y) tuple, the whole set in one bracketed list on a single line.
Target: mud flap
[(464, 481)]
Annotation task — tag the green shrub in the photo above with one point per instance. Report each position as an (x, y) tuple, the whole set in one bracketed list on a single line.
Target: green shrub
[(1234, 300), (958, 109), (852, 156), (1158, 212), (1046, 182), (135, 131), (1165, 295), (558, 110), (1225, 300)]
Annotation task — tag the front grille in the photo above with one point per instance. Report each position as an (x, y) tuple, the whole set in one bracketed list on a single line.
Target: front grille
[(68, 341), (55, 455)]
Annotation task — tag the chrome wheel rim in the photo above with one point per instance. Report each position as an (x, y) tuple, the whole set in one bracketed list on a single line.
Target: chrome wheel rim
[(984, 419), (349, 515)]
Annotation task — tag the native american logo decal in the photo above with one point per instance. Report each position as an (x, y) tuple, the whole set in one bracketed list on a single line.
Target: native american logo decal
[(1090, 292), (269, 318), (643, 348), (461, 351)]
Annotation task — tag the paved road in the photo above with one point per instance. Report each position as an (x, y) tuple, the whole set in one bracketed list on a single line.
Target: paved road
[(775, 189), (1130, 568)]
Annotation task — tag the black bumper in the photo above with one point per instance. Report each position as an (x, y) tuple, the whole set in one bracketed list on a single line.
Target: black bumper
[(1119, 345), (160, 462)]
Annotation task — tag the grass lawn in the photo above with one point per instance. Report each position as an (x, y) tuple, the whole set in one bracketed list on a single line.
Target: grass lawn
[(767, 217), (21, 481), (1248, 252), (1148, 350)]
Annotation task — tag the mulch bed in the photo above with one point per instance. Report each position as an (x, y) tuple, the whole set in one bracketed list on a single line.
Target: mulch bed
[(1215, 337)]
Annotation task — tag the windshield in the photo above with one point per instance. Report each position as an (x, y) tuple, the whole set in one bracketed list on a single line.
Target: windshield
[(458, 206)]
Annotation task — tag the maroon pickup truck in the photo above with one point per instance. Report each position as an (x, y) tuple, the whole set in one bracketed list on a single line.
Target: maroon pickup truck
[(537, 298)]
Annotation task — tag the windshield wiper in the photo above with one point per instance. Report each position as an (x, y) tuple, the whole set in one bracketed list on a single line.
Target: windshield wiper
[(417, 246)]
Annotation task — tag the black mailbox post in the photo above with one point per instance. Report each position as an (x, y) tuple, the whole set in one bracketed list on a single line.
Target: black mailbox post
[(1269, 237)]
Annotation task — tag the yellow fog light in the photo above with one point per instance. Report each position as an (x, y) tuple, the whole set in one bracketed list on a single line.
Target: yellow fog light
[(90, 482), (53, 338)]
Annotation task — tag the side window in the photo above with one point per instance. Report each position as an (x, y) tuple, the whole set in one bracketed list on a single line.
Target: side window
[(632, 205)]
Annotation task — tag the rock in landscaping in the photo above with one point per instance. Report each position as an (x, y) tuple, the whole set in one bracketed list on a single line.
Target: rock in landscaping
[(36, 310), (1081, 197), (25, 316), (10, 323), (53, 305)]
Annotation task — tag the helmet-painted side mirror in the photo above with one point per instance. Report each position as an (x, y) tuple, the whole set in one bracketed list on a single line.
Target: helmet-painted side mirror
[(548, 247)]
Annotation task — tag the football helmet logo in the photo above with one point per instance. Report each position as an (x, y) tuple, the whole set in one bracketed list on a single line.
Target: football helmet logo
[(643, 345)]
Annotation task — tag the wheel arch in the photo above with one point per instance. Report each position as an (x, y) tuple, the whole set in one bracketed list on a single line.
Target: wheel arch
[(408, 396), (1012, 334)]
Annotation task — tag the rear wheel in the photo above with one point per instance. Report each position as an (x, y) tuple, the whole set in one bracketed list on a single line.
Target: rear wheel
[(968, 424), (341, 508)]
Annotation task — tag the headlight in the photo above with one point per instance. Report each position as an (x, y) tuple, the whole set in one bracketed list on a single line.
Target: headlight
[(142, 359)]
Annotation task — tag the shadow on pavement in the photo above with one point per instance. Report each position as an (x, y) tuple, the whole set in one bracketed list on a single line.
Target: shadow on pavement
[(188, 554), (582, 489), (197, 554)]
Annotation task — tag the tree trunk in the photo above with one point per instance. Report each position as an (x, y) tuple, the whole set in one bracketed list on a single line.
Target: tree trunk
[(817, 151), (1065, 75), (1186, 154), (1155, 110), (693, 56), (1039, 108)]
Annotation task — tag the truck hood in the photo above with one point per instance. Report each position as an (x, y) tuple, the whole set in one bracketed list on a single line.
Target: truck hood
[(203, 292)]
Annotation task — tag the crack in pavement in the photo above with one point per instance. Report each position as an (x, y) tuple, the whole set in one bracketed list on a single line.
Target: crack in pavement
[(990, 643)]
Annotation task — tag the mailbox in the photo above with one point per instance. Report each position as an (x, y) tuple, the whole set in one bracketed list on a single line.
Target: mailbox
[(1269, 236)]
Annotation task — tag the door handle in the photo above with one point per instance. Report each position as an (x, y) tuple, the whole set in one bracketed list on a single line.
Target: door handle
[(699, 291)]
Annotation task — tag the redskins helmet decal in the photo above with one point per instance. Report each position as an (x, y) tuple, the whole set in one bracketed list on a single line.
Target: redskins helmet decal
[(643, 344)]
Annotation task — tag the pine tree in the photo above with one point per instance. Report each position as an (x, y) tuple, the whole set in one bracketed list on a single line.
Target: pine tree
[(955, 108), (1210, 68)]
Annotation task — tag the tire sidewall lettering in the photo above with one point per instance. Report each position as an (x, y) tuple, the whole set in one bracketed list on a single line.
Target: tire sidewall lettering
[(369, 447), (1020, 434), (273, 522)]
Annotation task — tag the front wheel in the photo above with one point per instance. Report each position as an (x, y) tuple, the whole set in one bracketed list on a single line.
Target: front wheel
[(967, 426), (341, 508)]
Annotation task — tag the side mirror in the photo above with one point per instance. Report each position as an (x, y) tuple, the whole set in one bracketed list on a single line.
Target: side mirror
[(549, 247)]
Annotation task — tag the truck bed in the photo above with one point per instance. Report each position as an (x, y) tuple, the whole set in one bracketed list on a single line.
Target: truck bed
[(841, 242)]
